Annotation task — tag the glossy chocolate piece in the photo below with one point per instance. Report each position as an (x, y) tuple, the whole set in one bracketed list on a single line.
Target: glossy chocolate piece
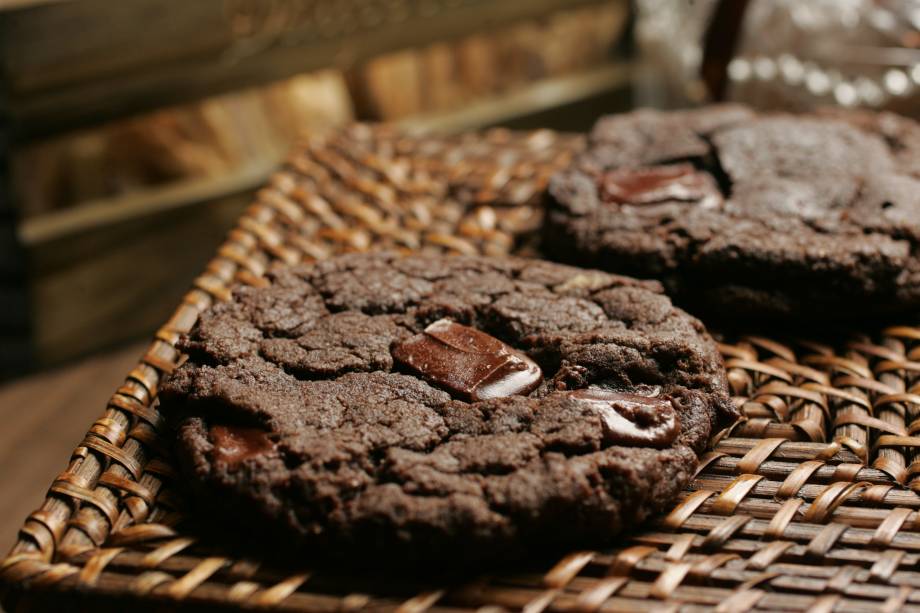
[(234, 444), (469, 364), (631, 419), (657, 184)]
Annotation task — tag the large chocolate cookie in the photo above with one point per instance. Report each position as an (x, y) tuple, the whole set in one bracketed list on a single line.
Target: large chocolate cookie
[(453, 407), (744, 213)]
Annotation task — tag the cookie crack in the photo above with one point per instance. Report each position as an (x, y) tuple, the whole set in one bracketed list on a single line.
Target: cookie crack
[(311, 376), (712, 164)]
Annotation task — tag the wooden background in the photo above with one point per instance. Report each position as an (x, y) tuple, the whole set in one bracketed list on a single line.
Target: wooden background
[(82, 278)]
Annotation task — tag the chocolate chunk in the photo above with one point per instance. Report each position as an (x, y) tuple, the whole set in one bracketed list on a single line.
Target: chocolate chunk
[(631, 419), (657, 184), (234, 444), (468, 363)]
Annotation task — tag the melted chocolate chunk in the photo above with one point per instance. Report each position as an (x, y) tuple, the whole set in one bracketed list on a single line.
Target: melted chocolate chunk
[(468, 363), (631, 419), (657, 184), (234, 444)]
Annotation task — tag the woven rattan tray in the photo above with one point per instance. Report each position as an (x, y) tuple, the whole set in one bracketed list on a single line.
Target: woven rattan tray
[(808, 503)]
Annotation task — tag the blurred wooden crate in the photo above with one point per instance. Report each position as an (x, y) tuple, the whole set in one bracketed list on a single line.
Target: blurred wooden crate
[(134, 57)]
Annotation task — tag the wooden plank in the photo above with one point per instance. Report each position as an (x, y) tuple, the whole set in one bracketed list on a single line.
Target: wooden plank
[(15, 348), (94, 215), (540, 97), (9, 5), (150, 53), (12, 261), (115, 282)]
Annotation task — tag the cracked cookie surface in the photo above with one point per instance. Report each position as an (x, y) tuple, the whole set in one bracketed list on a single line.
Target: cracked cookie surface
[(761, 214), (293, 419)]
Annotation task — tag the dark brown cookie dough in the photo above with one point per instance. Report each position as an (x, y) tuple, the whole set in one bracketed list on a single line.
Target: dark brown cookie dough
[(806, 216), (529, 405)]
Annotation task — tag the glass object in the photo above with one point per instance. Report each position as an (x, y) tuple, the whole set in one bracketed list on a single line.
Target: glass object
[(784, 54)]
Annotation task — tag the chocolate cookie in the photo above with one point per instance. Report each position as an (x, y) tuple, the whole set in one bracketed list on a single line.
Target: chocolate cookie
[(745, 213), (460, 408)]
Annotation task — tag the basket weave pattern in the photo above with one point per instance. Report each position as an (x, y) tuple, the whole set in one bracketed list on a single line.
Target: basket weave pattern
[(807, 503)]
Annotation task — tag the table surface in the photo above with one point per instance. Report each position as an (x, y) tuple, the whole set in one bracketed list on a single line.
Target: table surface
[(44, 418)]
